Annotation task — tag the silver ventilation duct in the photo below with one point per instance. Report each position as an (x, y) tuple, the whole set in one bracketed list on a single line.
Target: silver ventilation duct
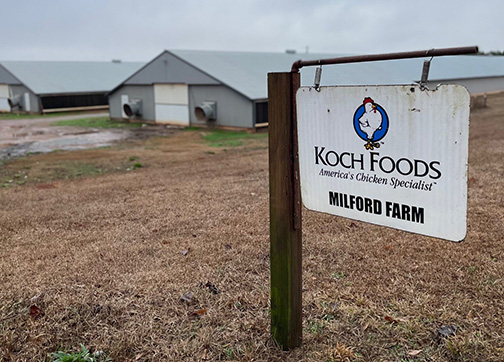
[(15, 101), (133, 108), (206, 111)]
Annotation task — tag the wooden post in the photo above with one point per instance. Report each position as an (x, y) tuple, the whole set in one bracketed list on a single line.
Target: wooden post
[(285, 211)]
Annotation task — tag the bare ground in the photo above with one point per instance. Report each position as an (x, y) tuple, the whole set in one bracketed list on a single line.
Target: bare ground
[(103, 258), (22, 136), (23, 130)]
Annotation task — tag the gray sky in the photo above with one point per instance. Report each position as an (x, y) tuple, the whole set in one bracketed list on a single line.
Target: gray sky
[(140, 30)]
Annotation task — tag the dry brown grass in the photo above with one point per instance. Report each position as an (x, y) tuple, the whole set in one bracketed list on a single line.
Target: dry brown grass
[(107, 258)]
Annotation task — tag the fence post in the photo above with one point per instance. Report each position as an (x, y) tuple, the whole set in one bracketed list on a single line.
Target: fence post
[(285, 211)]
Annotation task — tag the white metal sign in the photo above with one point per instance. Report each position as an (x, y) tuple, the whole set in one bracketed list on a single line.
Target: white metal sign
[(389, 155)]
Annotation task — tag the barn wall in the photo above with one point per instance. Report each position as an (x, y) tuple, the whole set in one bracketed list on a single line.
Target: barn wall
[(167, 68), (7, 78), (143, 92), (233, 109), (474, 85)]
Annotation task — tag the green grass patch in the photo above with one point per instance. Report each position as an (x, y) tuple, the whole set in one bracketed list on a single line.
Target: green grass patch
[(84, 355), (192, 128), (96, 122), (67, 170), (78, 169), (62, 170), (223, 138)]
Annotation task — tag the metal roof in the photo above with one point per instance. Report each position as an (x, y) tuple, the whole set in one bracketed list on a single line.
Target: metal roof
[(467, 66), (246, 72), (60, 77)]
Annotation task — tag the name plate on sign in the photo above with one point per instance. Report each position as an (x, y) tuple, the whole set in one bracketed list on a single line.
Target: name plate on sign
[(389, 155)]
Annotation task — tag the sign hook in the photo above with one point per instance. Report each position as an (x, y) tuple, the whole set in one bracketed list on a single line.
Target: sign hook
[(425, 74), (318, 76)]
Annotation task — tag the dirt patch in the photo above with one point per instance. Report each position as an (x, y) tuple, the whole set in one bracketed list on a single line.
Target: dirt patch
[(108, 260), (20, 137)]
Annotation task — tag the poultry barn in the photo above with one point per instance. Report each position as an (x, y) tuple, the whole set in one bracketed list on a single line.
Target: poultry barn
[(56, 86), (229, 89)]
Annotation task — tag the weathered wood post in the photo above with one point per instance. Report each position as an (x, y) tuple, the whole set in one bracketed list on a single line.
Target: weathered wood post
[(285, 211)]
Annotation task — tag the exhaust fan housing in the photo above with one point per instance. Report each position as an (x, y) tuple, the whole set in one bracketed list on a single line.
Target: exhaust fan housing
[(15, 101), (133, 108), (206, 111)]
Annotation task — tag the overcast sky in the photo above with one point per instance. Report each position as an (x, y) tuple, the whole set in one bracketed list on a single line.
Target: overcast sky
[(140, 30)]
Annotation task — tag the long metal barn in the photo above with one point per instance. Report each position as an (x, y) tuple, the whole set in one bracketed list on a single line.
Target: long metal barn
[(50, 86), (229, 89)]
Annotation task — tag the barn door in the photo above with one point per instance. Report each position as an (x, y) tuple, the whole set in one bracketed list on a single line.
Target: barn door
[(27, 105), (4, 98), (171, 103)]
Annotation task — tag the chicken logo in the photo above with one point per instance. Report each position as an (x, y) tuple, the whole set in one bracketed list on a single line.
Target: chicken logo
[(370, 123)]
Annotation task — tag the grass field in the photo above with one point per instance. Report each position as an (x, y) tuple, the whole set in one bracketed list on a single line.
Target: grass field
[(224, 138), (170, 261)]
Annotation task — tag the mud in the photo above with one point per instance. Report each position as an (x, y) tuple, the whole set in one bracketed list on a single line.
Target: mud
[(20, 137)]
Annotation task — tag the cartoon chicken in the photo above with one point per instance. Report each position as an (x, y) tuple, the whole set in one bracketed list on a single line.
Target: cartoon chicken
[(370, 122)]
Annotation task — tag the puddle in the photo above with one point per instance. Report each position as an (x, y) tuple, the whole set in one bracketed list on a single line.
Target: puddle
[(25, 136), (65, 142)]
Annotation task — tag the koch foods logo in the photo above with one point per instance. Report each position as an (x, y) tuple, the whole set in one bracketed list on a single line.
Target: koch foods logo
[(370, 123)]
